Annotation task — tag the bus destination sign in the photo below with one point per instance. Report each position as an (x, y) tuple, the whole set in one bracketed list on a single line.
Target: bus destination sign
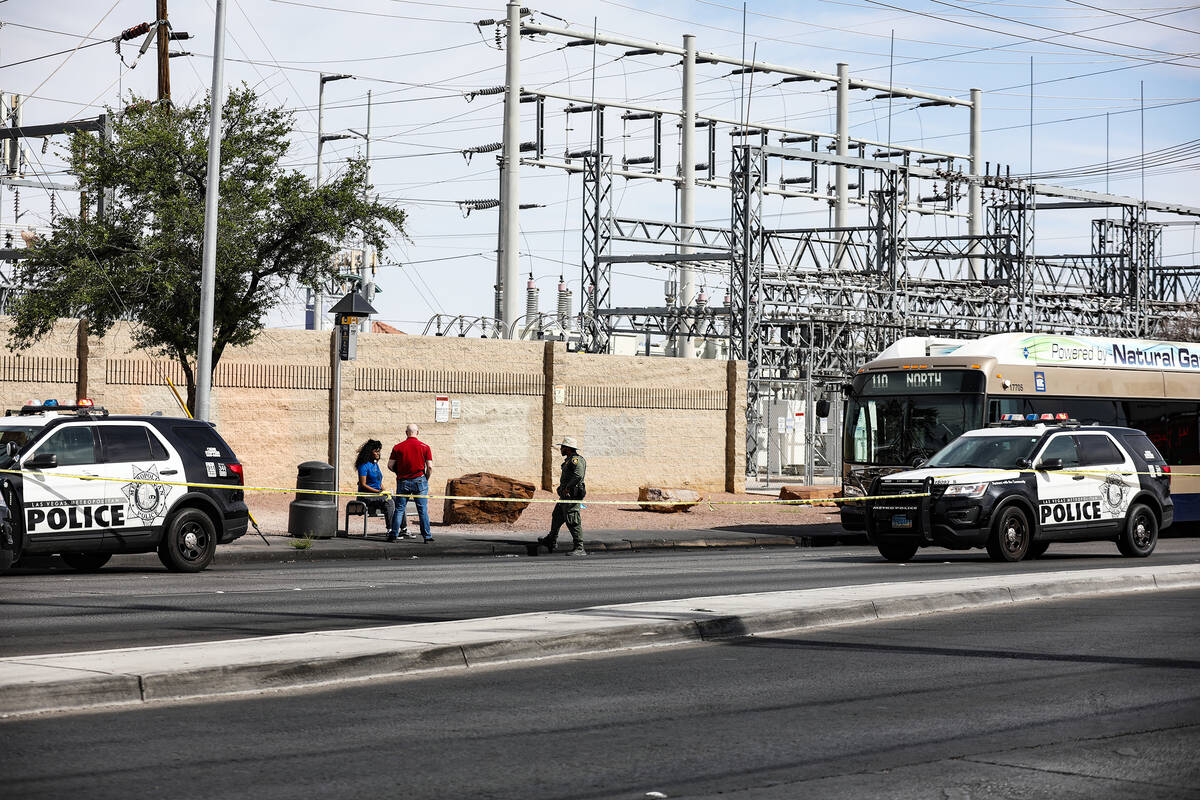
[(924, 381)]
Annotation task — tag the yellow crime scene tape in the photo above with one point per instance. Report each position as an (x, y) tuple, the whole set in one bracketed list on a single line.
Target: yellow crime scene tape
[(357, 494)]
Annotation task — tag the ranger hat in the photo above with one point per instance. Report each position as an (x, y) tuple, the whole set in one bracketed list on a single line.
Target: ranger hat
[(569, 441)]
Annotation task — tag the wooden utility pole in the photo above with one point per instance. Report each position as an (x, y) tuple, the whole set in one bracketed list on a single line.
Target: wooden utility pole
[(164, 55)]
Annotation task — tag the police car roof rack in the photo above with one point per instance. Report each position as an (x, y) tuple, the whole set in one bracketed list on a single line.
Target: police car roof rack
[(81, 411)]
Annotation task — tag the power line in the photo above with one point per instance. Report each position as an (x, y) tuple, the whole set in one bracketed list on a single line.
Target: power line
[(51, 55), (1175, 56)]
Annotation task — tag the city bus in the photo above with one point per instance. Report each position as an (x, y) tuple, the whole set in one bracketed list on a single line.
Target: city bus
[(922, 392)]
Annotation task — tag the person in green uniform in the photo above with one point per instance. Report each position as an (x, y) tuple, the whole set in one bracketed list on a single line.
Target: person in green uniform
[(570, 487)]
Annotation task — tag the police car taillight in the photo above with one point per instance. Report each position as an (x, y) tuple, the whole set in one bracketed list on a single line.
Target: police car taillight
[(1166, 470), (236, 469)]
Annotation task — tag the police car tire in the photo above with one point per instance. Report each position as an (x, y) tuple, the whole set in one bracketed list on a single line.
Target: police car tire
[(85, 562), (1011, 535), (7, 559), (1037, 549), (898, 551), (178, 552), (1141, 532)]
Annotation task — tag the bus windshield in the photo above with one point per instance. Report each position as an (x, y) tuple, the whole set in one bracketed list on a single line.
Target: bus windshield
[(990, 452), (901, 417)]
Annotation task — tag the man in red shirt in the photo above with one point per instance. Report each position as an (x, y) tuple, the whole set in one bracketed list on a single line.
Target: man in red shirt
[(412, 461)]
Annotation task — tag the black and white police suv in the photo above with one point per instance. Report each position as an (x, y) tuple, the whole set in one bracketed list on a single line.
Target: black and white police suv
[(77, 483), (1016, 488)]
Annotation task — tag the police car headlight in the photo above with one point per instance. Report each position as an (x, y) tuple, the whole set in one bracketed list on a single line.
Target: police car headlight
[(966, 490), (849, 490)]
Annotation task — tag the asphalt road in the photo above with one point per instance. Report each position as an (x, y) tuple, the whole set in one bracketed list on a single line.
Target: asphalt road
[(1086, 699), (48, 611)]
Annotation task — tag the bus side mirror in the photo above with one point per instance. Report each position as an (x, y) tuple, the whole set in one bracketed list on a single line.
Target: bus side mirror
[(1051, 464), (823, 408)]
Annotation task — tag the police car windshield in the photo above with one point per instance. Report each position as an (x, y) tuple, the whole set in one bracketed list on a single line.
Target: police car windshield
[(20, 434), (991, 452)]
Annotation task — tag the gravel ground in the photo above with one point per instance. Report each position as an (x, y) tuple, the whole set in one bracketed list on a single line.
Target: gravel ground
[(610, 511)]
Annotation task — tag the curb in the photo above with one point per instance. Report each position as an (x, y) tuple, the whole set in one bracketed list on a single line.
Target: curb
[(282, 552), (137, 676)]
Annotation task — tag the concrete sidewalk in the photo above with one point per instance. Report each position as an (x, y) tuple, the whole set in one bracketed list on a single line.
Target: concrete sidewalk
[(449, 542), (137, 676)]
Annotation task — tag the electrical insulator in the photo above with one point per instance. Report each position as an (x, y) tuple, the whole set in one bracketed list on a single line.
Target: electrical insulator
[(135, 31), (531, 300)]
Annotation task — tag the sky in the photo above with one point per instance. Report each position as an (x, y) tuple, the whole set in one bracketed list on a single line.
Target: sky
[(1109, 82)]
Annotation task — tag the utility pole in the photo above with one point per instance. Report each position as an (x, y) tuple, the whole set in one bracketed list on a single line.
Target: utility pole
[(510, 163), (164, 55), (318, 315), (208, 272), (365, 286)]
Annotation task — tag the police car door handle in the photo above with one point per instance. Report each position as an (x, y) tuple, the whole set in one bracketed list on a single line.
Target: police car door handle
[(1078, 477), (169, 472)]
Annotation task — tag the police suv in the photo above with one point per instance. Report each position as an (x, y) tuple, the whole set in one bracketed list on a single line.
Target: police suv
[(84, 484), (1016, 488)]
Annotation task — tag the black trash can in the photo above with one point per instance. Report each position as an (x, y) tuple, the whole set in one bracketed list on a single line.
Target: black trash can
[(314, 515)]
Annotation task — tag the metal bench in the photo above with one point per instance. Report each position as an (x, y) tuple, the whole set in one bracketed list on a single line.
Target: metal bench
[(360, 509), (357, 508)]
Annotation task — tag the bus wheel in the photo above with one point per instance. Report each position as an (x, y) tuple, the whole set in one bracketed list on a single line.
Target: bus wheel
[(1010, 536), (1037, 549), (898, 551), (189, 542), (1140, 534), (86, 562)]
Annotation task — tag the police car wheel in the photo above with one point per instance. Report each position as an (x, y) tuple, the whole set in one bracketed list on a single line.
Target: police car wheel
[(189, 543), (1010, 535), (85, 562), (1037, 549), (1141, 533), (898, 551)]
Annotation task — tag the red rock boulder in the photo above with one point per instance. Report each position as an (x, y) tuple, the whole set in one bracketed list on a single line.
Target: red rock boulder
[(484, 484)]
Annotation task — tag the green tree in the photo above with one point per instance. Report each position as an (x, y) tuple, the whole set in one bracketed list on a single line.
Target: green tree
[(141, 259)]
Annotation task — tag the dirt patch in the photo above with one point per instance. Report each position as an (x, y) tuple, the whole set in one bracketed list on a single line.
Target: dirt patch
[(610, 511)]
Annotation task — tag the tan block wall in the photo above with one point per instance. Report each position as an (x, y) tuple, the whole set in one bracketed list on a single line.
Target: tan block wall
[(659, 421)]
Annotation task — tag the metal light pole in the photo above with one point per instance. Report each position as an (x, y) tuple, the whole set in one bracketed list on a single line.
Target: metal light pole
[(510, 163), (319, 295), (208, 271)]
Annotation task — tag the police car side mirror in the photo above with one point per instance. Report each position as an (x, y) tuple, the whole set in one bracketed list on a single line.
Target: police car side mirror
[(10, 448), (42, 461), (1024, 463), (1051, 464)]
